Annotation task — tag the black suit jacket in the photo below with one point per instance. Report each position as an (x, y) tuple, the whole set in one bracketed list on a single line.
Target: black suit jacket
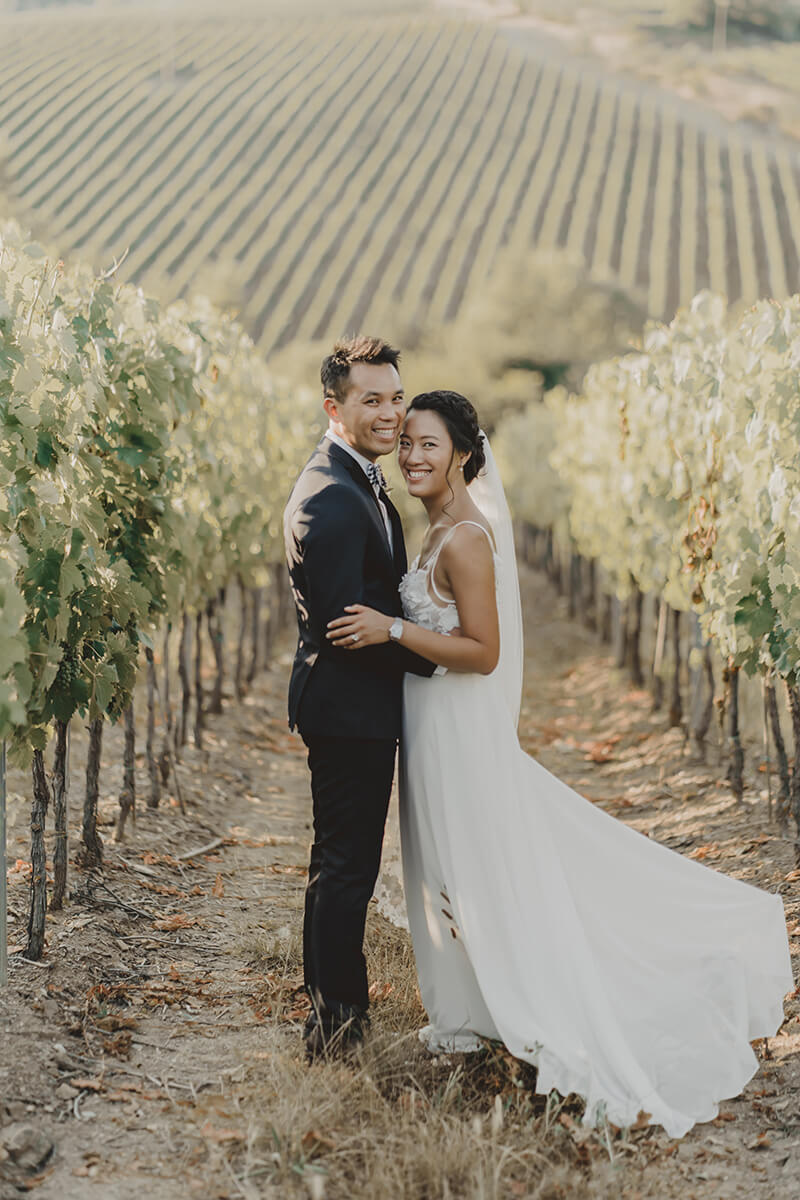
[(338, 554)]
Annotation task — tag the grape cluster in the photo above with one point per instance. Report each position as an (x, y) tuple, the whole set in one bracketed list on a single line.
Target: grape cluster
[(69, 669)]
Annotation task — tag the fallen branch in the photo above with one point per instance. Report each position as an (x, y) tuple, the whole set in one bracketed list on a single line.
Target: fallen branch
[(18, 958), (201, 850)]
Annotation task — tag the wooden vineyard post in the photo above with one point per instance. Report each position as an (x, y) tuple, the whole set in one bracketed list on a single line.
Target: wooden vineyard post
[(676, 701), (784, 786), (169, 750), (765, 737), (658, 655), (60, 814), (573, 587), (239, 674), (38, 909), (703, 709), (166, 706), (91, 854), (633, 635), (198, 681), (3, 889), (621, 610), (590, 593), (735, 773), (255, 627), (793, 696), (606, 620), (214, 617), (184, 654), (152, 763), (127, 797), (273, 622)]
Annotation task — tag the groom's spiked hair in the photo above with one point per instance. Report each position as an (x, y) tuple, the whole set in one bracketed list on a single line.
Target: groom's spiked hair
[(335, 369)]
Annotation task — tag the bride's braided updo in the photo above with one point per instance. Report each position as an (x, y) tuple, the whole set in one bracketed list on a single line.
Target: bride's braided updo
[(462, 424)]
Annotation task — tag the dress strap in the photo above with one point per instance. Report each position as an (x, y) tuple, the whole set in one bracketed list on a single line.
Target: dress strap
[(434, 558)]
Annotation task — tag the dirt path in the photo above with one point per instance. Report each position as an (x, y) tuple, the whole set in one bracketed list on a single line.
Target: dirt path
[(149, 1049)]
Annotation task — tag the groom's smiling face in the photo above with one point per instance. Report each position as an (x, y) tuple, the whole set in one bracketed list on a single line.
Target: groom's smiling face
[(370, 414)]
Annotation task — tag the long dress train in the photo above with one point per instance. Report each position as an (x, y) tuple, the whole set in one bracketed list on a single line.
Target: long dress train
[(625, 972)]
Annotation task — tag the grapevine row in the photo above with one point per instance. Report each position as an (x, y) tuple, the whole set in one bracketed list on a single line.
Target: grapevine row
[(675, 474), (146, 456)]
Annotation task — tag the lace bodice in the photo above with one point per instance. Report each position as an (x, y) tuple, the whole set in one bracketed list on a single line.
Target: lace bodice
[(420, 607), (422, 603)]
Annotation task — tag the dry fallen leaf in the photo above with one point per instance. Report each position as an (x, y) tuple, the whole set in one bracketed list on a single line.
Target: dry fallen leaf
[(212, 1134), (701, 852), (87, 1085), (119, 1046), (300, 1010), (601, 751), (313, 1141), (89, 1166), (32, 1182), (113, 1023), (134, 1086), (150, 857), (179, 920)]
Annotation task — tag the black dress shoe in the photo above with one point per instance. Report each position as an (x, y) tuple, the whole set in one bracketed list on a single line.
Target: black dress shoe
[(327, 1037)]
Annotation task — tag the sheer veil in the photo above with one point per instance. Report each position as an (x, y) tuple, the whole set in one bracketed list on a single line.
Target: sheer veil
[(488, 495)]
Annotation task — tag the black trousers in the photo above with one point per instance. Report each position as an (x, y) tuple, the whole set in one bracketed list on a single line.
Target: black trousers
[(351, 780)]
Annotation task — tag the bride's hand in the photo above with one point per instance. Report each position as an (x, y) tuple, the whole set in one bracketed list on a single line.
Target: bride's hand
[(363, 627)]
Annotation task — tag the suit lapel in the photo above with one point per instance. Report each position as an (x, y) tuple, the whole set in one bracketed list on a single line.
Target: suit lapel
[(356, 473), (398, 541)]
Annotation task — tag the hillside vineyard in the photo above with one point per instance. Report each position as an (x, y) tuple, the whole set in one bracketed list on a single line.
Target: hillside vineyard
[(333, 172)]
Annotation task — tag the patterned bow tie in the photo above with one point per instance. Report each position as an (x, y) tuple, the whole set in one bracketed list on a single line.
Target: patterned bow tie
[(376, 477)]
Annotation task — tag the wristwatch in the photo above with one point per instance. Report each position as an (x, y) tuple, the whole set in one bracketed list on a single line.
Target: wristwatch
[(396, 629)]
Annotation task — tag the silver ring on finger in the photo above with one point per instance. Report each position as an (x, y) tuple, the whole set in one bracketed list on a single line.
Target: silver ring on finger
[(354, 637)]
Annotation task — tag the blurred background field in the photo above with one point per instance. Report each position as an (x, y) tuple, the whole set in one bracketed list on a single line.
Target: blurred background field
[(321, 168)]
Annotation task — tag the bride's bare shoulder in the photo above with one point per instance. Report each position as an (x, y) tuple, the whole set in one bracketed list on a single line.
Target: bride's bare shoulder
[(470, 541)]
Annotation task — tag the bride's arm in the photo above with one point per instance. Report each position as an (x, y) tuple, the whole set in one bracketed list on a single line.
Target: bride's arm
[(467, 565)]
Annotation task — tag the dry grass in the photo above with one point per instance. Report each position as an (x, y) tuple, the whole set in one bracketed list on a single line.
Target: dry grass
[(394, 1121)]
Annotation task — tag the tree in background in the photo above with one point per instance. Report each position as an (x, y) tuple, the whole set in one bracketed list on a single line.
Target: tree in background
[(540, 320)]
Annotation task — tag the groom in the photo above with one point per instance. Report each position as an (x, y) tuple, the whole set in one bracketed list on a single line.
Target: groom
[(344, 545)]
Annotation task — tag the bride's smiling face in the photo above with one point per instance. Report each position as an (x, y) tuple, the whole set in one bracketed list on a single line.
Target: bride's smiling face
[(425, 454)]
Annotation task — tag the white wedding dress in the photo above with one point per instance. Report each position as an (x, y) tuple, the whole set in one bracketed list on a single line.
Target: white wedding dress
[(626, 973)]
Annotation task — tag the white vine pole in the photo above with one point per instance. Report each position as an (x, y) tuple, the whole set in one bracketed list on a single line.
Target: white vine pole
[(3, 893)]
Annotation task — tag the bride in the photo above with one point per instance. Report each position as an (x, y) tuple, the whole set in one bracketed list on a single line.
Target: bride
[(623, 971)]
